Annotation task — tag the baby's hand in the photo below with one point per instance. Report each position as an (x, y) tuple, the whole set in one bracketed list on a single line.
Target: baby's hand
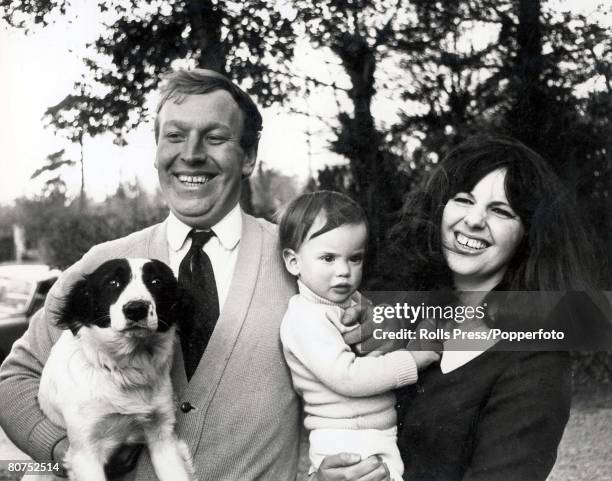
[(424, 358)]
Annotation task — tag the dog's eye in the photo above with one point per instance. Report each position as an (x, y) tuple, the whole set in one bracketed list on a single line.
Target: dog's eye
[(156, 281), (114, 283)]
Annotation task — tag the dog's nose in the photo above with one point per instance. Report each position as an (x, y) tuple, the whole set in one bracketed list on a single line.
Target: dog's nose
[(136, 310)]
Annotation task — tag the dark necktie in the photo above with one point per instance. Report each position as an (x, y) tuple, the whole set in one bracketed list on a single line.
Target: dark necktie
[(197, 277)]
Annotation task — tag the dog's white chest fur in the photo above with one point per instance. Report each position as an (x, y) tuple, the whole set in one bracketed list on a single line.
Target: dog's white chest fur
[(72, 386)]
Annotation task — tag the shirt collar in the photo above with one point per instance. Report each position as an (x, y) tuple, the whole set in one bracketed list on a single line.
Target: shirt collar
[(228, 230)]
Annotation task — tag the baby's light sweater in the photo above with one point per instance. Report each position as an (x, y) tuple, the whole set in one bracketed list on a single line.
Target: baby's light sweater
[(339, 389)]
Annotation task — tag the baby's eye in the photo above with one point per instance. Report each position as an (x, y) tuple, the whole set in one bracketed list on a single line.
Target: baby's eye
[(327, 258), (357, 259)]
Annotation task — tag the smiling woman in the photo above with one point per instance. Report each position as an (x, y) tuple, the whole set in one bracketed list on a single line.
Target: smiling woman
[(492, 217), (480, 233)]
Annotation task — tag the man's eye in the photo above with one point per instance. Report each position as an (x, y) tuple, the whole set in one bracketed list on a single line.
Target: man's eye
[(216, 139), (174, 136)]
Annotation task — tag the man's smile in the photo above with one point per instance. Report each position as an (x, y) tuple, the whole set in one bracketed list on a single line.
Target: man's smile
[(191, 180)]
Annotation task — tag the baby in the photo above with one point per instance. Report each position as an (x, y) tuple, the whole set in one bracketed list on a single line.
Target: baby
[(348, 400)]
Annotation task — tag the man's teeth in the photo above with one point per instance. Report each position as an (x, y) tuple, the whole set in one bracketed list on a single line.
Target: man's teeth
[(472, 243), (194, 179)]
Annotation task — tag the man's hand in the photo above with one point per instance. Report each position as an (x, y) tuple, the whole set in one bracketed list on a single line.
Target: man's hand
[(350, 467), (361, 339), (59, 453), (122, 461), (57, 296)]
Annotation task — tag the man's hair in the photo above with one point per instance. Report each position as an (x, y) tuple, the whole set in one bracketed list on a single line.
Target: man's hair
[(177, 85), (299, 216), (555, 251)]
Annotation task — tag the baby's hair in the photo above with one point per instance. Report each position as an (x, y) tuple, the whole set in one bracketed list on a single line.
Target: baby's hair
[(298, 217)]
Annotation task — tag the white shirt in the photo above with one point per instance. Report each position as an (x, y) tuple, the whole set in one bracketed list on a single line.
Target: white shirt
[(222, 249)]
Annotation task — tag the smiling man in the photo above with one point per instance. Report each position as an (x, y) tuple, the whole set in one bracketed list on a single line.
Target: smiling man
[(237, 412)]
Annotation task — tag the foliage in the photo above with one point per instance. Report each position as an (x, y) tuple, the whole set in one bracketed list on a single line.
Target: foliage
[(143, 39), (271, 191), (535, 73), (63, 232), (447, 69)]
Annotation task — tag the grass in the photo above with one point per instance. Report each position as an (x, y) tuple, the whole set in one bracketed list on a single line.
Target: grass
[(585, 453)]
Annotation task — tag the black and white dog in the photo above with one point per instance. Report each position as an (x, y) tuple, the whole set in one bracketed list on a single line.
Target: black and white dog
[(107, 379)]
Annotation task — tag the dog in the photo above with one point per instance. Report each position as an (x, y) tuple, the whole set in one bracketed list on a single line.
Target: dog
[(107, 379)]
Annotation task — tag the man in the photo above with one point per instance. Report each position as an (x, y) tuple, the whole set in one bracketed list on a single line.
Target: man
[(239, 414)]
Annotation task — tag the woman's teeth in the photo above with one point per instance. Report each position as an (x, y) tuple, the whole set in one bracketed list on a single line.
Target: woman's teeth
[(193, 179), (469, 242)]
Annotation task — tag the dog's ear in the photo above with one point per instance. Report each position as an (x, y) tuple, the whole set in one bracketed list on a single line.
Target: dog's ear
[(78, 307)]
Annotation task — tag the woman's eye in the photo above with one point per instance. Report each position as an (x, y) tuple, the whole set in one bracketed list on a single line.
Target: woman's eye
[(463, 199), (503, 213)]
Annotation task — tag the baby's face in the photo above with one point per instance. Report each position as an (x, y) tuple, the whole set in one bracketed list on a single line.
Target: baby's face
[(331, 264)]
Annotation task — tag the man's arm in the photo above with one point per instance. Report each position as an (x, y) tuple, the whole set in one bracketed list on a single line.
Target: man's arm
[(20, 415)]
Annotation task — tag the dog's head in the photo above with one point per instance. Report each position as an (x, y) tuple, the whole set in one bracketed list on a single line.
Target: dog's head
[(134, 297)]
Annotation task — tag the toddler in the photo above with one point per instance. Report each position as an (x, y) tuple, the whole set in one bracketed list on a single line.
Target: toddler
[(348, 400)]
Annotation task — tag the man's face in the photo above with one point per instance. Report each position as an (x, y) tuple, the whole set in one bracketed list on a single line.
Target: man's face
[(199, 159)]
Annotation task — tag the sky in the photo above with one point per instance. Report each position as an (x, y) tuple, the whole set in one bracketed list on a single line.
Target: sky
[(38, 71)]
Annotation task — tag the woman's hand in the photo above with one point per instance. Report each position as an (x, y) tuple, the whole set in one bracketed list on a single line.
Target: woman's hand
[(350, 467), (424, 358), (361, 339)]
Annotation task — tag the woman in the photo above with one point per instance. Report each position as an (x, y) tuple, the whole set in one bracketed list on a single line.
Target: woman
[(493, 216)]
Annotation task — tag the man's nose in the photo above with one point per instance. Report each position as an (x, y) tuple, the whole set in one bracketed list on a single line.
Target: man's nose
[(475, 217), (194, 150)]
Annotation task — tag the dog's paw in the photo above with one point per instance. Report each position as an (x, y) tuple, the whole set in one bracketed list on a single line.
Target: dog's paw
[(187, 459)]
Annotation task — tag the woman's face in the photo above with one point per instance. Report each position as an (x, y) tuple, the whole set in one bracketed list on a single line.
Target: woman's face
[(480, 233)]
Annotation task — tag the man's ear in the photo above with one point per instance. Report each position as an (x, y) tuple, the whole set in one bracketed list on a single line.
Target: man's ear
[(250, 158), (291, 261)]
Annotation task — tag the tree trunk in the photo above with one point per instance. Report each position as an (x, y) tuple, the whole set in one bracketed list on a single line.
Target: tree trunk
[(205, 19), (528, 116), (82, 199), (360, 141)]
